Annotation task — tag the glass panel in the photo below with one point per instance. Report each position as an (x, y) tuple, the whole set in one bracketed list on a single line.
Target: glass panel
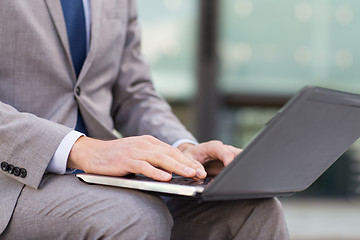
[(239, 126), (277, 47), (169, 41)]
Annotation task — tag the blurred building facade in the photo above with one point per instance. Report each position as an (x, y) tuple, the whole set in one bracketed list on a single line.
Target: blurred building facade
[(227, 66)]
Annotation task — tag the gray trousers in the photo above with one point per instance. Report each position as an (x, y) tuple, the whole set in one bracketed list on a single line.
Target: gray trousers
[(65, 208)]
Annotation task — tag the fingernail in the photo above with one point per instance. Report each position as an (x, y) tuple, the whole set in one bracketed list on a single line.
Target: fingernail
[(200, 173), (165, 176), (189, 171)]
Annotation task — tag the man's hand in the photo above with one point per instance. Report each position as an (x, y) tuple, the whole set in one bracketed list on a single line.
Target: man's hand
[(144, 155), (210, 153)]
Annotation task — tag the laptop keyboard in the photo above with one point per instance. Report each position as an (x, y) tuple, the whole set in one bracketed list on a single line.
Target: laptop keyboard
[(176, 179)]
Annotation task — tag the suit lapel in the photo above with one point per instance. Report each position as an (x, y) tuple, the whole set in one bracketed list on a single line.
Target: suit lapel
[(59, 22), (96, 9), (56, 13)]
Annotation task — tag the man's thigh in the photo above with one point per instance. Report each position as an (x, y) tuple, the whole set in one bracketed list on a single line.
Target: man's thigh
[(241, 219), (65, 208)]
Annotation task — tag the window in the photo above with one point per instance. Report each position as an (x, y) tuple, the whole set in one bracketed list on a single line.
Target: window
[(277, 47), (169, 44)]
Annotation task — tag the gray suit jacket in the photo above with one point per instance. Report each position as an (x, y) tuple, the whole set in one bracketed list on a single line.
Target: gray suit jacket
[(38, 100)]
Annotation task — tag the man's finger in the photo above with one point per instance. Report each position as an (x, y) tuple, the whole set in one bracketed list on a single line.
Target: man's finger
[(236, 151), (217, 150), (179, 156), (168, 163), (146, 169), (224, 155), (188, 167)]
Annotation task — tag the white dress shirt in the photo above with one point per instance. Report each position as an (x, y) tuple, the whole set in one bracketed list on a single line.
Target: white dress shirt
[(58, 162)]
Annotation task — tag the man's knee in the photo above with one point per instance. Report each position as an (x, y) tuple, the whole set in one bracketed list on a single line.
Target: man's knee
[(271, 207), (268, 217), (144, 222)]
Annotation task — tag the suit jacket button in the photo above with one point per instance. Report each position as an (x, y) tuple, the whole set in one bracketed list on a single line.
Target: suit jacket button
[(23, 172), (4, 166), (78, 91), (10, 169), (16, 171)]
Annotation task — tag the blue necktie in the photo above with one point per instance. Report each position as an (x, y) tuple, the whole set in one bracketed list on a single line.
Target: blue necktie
[(76, 29)]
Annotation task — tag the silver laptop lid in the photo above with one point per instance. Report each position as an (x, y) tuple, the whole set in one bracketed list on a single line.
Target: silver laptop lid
[(306, 136)]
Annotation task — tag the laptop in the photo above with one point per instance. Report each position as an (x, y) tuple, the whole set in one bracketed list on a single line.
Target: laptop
[(292, 150)]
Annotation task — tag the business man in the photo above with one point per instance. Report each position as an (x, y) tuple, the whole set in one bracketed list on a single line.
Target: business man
[(76, 64)]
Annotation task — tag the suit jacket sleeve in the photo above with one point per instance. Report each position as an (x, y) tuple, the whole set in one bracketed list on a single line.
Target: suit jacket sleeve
[(137, 108), (28, 142)]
